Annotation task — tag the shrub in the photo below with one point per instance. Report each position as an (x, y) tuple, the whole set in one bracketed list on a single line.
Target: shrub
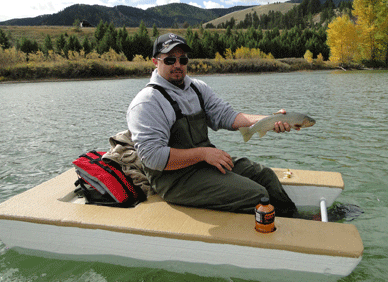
[(218, 57), (308, 56), (11, 56)]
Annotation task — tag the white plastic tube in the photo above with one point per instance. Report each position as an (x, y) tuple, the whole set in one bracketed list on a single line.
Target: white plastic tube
[(324, 217)]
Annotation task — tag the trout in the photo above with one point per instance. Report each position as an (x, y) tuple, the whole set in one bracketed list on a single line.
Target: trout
[(295, 120)]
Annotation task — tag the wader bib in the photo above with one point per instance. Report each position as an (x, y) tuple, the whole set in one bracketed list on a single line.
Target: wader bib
[(203, 185)]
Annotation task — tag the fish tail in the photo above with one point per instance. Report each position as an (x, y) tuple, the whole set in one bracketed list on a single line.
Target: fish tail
[(246, 133)]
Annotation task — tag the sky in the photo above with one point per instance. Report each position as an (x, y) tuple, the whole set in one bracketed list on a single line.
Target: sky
[(13, 9)]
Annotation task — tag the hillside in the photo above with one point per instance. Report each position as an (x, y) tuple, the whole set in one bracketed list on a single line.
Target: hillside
[(162, 16), (260, 10)]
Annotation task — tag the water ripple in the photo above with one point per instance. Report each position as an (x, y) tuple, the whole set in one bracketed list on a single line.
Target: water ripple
[(45, 126)]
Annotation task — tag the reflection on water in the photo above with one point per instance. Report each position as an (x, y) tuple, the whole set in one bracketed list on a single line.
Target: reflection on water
[(45, 126)]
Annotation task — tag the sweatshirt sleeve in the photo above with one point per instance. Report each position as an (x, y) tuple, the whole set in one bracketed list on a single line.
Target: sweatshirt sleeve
[(220, 113), (149, 122)]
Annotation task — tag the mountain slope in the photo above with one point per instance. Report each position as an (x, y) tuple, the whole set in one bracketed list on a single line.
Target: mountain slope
[(260, 10), (162, 16)]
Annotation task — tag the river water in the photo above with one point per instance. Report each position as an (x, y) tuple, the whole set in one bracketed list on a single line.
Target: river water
[(46, 125)]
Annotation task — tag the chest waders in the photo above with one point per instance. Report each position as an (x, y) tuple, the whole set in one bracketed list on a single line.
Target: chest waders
[(203, 185)]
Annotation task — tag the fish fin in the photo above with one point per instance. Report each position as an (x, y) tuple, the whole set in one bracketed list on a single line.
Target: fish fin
[(279, 113), (246, 133), (262, 133)]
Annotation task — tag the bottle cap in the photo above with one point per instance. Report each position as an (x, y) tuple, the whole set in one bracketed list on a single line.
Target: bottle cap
[(264, 201)]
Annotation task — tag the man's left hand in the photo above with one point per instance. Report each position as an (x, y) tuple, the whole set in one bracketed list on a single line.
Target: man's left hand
[(280, 126)]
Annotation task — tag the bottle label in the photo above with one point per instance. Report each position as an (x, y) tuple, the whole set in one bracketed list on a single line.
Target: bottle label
[(265, 217)]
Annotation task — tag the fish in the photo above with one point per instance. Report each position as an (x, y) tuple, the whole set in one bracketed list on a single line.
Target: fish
[(294, 119)]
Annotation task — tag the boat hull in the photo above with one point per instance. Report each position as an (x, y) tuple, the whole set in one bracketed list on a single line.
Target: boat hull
[(115, 247), (48, 219)]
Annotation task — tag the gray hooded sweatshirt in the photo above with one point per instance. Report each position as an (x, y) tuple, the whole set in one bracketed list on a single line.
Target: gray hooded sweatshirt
[(150, 116)]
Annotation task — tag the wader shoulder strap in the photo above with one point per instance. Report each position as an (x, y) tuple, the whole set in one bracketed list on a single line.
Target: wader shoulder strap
[(173, 103), (199, 96)]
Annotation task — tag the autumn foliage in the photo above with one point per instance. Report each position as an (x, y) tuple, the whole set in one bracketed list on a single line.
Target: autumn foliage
[(343, 40), (363, 39)]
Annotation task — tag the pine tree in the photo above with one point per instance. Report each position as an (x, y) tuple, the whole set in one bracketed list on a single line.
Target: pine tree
[(73, 44), (109, 40), (48, 44), (314, 7), (60, 43), (4, 41), (141, 42), (196, 47), (100, 31), (28, 46), (86, 46), (155, 32)]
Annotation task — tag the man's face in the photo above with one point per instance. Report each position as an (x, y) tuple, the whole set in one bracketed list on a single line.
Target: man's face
[(173, 73)]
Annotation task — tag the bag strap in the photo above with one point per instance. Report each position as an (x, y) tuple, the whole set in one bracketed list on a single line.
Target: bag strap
[(89, 198)]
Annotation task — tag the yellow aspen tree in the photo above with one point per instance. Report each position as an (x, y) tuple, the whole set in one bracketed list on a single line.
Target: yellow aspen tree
[(320, 58), (308, 56), (383, 21), (228, 54), (342, 40), (372, 27), (219, 58), (242, 53)]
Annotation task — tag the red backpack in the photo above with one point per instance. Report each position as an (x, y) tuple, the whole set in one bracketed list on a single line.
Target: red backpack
[(105, 184)]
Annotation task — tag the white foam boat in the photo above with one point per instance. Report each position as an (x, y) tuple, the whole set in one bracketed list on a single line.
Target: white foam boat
[(51, 220)]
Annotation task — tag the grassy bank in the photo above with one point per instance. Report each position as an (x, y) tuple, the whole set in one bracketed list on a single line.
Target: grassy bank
[(91, 68)]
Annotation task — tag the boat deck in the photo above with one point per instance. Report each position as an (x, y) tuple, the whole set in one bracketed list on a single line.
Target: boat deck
[(52, 203)]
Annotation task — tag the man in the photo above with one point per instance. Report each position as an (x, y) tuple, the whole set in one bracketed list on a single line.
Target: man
[(168, 120)]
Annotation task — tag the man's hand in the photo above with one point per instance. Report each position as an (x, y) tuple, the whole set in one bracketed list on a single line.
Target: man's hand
[(181, 158), (218, 158), (280, 126)]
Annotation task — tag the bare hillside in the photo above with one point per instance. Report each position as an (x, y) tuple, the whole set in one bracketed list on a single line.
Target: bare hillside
[(260, 10)]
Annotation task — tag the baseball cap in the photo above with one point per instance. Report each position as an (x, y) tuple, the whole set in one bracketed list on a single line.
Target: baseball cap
[(166, 42)]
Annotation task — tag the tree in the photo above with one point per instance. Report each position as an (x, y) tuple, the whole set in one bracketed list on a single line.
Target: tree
[(4, 41), (372, 27), (60, 43), (141, 42), (77, 25), (342, 39), (308, 56), (196, 47), (73, 44), (48, 44), (86, 46), (155, 32), (100, 31), (109, 40), (27, 46), (314, 7)]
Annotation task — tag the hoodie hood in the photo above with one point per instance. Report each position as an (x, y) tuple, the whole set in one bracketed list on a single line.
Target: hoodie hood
[(161, 81)]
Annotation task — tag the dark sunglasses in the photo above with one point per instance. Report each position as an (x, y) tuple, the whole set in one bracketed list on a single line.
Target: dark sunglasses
[(171, 60)]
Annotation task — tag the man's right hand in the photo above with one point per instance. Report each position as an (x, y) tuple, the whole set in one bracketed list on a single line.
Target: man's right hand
[(180, 158), (218, 158)]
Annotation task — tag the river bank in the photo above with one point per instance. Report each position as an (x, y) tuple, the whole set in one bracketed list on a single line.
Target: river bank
[(101, 69)]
